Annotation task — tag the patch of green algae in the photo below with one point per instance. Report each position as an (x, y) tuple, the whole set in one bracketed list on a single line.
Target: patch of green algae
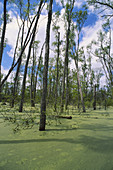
[(83, 143)]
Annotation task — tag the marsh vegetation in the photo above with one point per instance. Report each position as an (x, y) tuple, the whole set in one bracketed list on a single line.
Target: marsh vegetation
[(66, 144)]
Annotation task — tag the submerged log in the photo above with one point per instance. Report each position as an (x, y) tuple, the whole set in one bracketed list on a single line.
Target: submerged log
[(64, 117), (3, 103)]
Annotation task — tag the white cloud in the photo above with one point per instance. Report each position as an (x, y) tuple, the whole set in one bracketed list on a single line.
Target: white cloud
[(77, 4), (12, 5), (11, 53), (12, 31), (103, 81), (44, 10), (5, 71), (59, 2), (42, 33), (112, 42), (62, 12), (91, 9), (1, 6), (90, 33)]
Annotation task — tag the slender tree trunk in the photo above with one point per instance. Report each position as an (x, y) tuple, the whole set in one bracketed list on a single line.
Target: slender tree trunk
[(78, 94), (69, 17), (60, 90), (66, 69), (105, 103), (45, 72), (32, 81), (28, 57), (38, 70), (17, 71), (49, 85), (80, 89), (2, 44), (26, 41), (63, 86), (94, 96), (53, 88), (67, 53), (56, 88), (67, 61)]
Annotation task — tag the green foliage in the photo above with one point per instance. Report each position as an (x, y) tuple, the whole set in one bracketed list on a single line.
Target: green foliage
[(109, 102), (80, 17)]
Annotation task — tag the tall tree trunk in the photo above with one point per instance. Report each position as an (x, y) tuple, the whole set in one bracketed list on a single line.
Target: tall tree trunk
[(32, 81), (28, 57), (39, 62), (66, 69), (18, 69), (49, 95), (56, 88), (78, 94), (94, 96), (69, 17), (26, 41), (80, 89), (63, 88), (2, 43), (60, 90), (67, 61), (45, 72), (53, 88)]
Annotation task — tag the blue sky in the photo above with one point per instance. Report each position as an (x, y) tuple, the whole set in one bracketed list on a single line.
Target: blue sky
[(6, 62), (89, 32)]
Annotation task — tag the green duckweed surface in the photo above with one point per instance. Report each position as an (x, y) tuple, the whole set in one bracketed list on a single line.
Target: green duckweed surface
[(83, 143)]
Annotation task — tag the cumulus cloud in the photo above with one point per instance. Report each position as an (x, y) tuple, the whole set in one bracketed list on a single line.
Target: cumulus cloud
[(11, 33), (77, 4), (11, 53), (1, 6), (44, 10), (5, 71), (58, 2), (89, 34)]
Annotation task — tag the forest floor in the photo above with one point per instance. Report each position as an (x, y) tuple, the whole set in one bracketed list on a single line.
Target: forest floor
[(83, 143)]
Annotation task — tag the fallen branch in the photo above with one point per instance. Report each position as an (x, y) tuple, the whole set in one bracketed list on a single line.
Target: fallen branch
[(64, 117)]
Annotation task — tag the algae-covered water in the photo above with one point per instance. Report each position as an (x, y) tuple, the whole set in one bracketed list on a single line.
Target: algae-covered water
[(83, 143)]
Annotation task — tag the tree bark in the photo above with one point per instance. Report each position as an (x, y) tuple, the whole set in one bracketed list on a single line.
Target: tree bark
[(67, 61), (38, 70), (32, 81), (28, 57), (2, 43), (56, 88), (94, 96), (80, 89), (45, 72), (69, 17), (18, 69), (26, 41)]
